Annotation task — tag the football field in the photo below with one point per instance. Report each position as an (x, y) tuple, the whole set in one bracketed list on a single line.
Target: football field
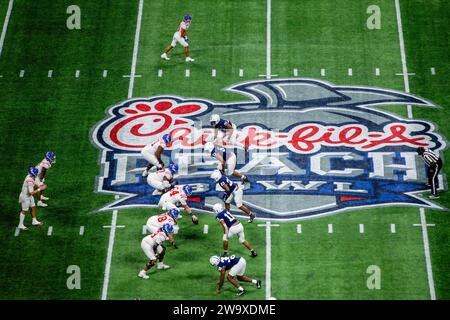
[(59, 87)]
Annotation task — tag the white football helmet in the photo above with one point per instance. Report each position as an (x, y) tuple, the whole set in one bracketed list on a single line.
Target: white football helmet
[(214, 119), (216, 175), (218, 208), (209, 146), (214, 260)]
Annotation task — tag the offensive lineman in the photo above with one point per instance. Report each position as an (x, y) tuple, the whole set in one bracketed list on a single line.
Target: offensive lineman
[(162, 179), (155, 223), (152, 153), (226, 158), (26, 198), (43, 166), (236, 266), (177, 197), (232, 192), (231, 226), (153, 247), (180, 36)]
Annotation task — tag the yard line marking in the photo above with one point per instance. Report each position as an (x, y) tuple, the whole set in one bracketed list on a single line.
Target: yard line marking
[(433, 71), (22, 73), (205, 229), (109, 255), (160, 73), (299, 228), (295, 72), (105, 73), (213, 72), (50, 73), (350, 72), (330, 228), (428, 225), (268, 225), (144, 229), (393, 228), (77, 74), (322, 72), (426, 248), (81, 230), (402, 53), (49, 231), (130, 76), (17, 232), (135, 49), (265, 75), (241, 72), (116, 226), (361, 228), (408, 74), (268, 63), (187, 73), (5, 25), (377, 71)]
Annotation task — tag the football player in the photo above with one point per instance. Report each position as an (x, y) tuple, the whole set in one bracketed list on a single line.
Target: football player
[(236, 268), (177, 197), (155, 223), (43, 166), (153, 247), (232, 192), (26, 198), (152, 153), (180, 36), (162, 180), (226, 158), (231, 226), (227, 128)]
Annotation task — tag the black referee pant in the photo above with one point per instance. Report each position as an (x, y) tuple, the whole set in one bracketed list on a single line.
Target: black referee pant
[(433, 172)]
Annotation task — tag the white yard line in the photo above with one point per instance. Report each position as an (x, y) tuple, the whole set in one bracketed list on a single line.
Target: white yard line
[(377, 72), (410, 115), (213, 73), (433, 71), (22, 73), (330, 228), (205, 229), (187, 73), (77, 74), (112, 235), (322, 72), (105, 73), (393, 228), (299, 228), (295, 72), (81, 230), (268, 226), (361, 228), (50, 231), (5, 25), (50, 73), (135, 49), (241, 72), (144, 229), (350, 72), (268, 63), (426, 248)]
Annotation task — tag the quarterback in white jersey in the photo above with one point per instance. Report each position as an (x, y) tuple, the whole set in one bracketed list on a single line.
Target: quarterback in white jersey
[(180, 36), (152, 153), (26, 198), (177, 197), (154, 249), (162, 180), (43, 166), (155, 223)]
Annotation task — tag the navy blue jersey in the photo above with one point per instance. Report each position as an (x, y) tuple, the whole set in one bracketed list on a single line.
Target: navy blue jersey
[(221, 125), (227, 217), (224, 181), (228, 262)]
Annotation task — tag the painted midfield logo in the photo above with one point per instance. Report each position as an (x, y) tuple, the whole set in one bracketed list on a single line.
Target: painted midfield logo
[(314, 148)]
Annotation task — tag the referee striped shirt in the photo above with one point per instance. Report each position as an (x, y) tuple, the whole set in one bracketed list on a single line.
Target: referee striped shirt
[(429, 157)]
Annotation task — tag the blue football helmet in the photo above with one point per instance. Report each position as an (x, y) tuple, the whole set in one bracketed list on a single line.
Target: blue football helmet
[(173, 168), (174, 213), (167, 228), (187, 18), (167, 138), (33, 171), (50, 156), (187, 190)]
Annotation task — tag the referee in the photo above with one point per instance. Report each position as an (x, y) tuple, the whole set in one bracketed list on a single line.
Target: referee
[(434, 165)]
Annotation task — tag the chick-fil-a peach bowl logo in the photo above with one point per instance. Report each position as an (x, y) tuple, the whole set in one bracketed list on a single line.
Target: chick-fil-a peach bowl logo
[(312, 148)]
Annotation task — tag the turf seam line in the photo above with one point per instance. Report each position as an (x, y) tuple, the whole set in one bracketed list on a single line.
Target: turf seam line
[(135, 49), (268, 41), (109, 255), (5, 25), (426, 248)]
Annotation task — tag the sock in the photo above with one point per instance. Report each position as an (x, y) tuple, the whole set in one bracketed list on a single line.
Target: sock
[(241, 289), (254, 281), (21, 219)]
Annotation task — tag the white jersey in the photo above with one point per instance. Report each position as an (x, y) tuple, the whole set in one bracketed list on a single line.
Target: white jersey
[(160, 220), (183, 26), (27, 187), (153, 147), (160, 175), (44, 164), (176, 197), (156, 238)]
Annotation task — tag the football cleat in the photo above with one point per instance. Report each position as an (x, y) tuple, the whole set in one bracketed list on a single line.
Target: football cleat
[(241, 292), (163, 266), (434, 196), (244, 179), (145, 173), (258, 284), (23, 228), (253, 254), (252, 217), (164, 56), (189, 59), (42, 204), (37, 223), (44, 198), (143, 275)]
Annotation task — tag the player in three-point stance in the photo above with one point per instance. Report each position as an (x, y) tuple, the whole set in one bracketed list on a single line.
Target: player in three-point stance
[(177, 197), (155, 223), (153, 247), (227, 160), (231, 226), (162, 180), (180, 36), (232, 192), (434, 165), (43, 166), (26, 198), (227, 130), (152, 153), (236, 266)]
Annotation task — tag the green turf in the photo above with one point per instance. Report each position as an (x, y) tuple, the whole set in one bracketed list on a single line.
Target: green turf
[(41, 113)]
